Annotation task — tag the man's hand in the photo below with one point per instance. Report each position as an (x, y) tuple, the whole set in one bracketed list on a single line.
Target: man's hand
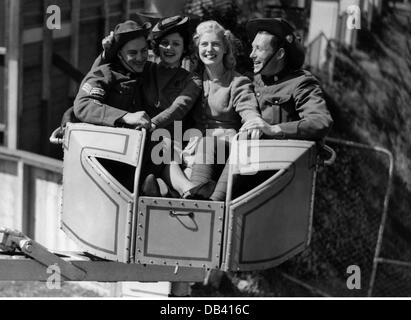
[(260, 124), (139, 119)]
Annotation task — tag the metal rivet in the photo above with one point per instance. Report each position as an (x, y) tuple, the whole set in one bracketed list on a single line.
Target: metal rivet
[(220, 218), (182, 203), (219, 231), (140, 225), (142, 201), (138, 250), (155, 201), (140, 238), (151, 261), (138, 261), (165, 262), (209, 205)]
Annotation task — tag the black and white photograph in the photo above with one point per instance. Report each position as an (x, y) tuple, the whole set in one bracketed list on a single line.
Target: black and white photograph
[(205, 150)]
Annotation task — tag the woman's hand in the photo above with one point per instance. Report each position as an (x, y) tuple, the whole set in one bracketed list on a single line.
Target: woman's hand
[(107, 42), (153, 127)]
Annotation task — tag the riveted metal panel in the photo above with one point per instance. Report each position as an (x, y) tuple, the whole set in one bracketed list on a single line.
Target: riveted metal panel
[(97, 210), (271, 223), (179, 232)]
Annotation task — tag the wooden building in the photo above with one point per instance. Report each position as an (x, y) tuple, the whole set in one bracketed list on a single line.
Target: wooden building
[(337, 22), (40, 68)]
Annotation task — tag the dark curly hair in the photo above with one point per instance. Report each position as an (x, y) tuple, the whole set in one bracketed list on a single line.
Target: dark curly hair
[(182, 31)]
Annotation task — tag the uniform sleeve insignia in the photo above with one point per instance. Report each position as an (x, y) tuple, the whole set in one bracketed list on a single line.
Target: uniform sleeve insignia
[(86, 87), (97, 92)]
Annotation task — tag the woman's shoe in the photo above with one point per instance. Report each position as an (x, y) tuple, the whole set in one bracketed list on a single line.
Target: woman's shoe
[(200, 192), (150, 187)]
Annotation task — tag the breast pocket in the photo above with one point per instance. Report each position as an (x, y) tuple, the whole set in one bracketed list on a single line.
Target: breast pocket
[(123, 95), (278, 109)]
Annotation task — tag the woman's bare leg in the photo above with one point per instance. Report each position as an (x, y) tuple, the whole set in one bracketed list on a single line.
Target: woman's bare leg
[(175, 177)]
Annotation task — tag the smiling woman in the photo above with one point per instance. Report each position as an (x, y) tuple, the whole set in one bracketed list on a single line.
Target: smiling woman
[(171, 49), (227, 100), (211, 51)]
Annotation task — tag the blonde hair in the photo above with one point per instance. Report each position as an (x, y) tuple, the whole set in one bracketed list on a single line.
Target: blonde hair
[(226, 36)]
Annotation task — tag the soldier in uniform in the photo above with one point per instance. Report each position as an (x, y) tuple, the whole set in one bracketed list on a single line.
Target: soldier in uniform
[(111, 94), (291, 101)]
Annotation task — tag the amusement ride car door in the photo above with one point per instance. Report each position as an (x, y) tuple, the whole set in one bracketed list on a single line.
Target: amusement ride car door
[(100, 179), (271, 222)]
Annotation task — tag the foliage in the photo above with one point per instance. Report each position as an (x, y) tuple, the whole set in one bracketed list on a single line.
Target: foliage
[(369, 101)]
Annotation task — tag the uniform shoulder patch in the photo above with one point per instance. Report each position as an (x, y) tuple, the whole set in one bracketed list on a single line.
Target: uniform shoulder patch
[(86, 87), (97, 92)]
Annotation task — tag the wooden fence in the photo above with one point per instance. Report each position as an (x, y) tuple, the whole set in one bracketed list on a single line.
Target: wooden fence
[(30, 197)]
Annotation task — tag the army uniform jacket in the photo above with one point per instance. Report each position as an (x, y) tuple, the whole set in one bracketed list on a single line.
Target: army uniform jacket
[(107, 93), (166, 94), (294, 101)]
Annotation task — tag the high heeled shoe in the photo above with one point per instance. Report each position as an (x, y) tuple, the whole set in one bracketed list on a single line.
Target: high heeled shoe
[(200, 192)]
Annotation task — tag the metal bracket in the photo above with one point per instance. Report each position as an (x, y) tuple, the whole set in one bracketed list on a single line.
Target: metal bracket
[(10, 240)]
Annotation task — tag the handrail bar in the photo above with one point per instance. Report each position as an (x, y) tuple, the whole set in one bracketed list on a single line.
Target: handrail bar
[(32, 159)]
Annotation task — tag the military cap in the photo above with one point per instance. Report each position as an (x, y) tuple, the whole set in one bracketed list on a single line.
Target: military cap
[(128, 30), (285, 32)]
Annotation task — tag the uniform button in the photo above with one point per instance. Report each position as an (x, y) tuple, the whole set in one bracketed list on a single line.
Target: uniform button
[(258, 94)]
